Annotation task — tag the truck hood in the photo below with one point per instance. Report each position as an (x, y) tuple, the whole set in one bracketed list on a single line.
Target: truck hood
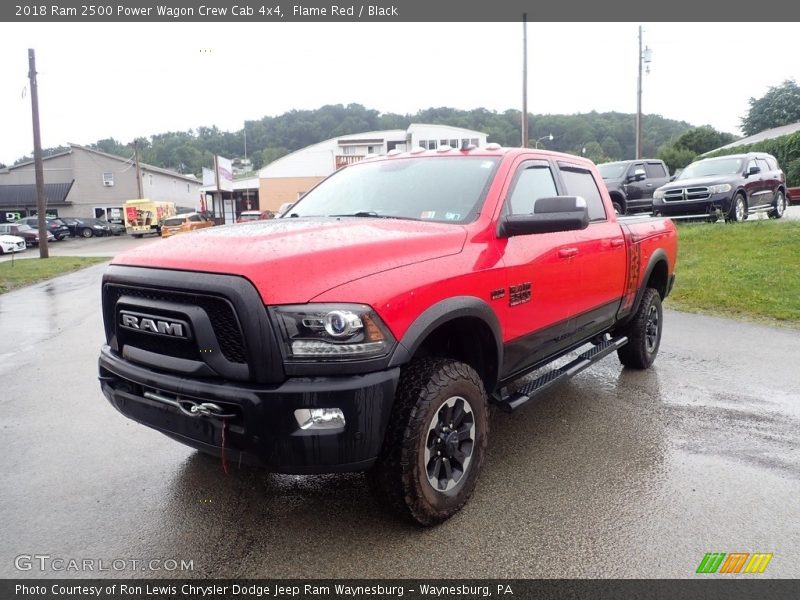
[(293, 260)]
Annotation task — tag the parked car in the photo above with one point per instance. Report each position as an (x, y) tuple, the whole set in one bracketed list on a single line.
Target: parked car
[(72, 224), (10, 244), (793, 195), (184, 223), (116, 228), (731, 187), (54, 226), (631, 183), (27, 232), (255, 215)]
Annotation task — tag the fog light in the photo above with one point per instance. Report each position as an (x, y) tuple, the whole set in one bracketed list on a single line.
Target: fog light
[(319, 418)]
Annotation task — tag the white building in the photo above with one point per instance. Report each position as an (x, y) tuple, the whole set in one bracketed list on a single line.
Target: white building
[(291, 176)]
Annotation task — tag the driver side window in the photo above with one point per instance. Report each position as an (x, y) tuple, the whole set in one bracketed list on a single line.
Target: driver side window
[(533, 182)]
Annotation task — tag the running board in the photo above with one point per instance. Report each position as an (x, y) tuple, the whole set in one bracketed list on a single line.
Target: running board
[(529, 391)]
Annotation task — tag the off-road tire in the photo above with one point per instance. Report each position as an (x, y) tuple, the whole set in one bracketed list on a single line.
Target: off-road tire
[(643, 332), (399, 477)]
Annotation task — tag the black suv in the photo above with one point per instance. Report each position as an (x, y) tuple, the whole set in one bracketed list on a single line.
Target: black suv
[(54, 226), (733, 187), (631, 183)]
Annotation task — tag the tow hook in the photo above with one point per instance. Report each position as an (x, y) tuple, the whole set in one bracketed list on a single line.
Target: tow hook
[(190, 407)]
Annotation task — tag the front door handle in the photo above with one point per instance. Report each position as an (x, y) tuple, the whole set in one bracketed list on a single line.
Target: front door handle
[(617, 242), (567, 252)]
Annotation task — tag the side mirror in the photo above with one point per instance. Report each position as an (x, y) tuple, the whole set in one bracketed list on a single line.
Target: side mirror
[(672, 178), (559, 213), (639, 175), (754, 170)]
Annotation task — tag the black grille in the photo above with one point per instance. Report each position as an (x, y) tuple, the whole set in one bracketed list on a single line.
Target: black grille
[(219, 310), (159, 344)]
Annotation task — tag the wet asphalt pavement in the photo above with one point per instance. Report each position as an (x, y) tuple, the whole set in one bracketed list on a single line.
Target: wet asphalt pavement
[(616, 473)]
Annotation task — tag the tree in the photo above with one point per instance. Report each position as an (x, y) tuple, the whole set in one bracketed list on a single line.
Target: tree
[(676, 157), (779, 106), (703, 139), (270, 154), (594, 152)]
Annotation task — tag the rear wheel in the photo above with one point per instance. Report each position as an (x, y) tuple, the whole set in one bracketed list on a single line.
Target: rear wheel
[(738, 211), (779, 207), (435, 443), (643, 332)]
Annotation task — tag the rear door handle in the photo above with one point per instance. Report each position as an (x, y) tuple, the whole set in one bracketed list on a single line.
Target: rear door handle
[(649, 184), (567, 252)]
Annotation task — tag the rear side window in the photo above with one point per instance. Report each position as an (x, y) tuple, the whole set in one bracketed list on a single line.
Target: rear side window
[(533, 182), (773, 164), (580, 182), (655, 170), (763, 165), (195, 218)]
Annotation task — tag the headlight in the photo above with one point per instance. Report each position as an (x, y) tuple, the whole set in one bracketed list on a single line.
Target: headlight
[(332, 332), (720, 189), (658, 195)]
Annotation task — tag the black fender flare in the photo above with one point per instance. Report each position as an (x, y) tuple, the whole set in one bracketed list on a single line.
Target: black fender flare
[(441, 313), (658, 256)]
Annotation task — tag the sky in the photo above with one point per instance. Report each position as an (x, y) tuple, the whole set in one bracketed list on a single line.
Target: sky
[(124, 80)]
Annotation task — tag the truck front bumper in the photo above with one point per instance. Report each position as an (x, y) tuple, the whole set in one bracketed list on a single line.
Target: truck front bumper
[(259, 426)]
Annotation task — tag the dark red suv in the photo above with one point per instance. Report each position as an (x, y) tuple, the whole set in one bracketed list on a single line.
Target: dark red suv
[(732, 187)]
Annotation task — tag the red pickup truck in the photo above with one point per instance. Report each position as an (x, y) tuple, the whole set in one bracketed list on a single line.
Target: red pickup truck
[(371, 327)]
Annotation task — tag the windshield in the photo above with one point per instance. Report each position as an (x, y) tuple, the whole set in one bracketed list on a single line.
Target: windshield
[(716, 166), (174, 221), (444, 189), (612, 170)]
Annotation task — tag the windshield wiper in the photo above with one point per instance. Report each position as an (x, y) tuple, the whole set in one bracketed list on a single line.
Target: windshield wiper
[(362, 213)]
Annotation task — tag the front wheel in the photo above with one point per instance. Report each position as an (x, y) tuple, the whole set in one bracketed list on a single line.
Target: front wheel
[(644, 332), (779, 207), (435, 442), (86, 232), (738, 211)]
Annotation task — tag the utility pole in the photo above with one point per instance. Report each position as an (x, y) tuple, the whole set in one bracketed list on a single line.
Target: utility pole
[(37, 156), (639, 102), (524, 143), (645, 57), (138, 169)]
